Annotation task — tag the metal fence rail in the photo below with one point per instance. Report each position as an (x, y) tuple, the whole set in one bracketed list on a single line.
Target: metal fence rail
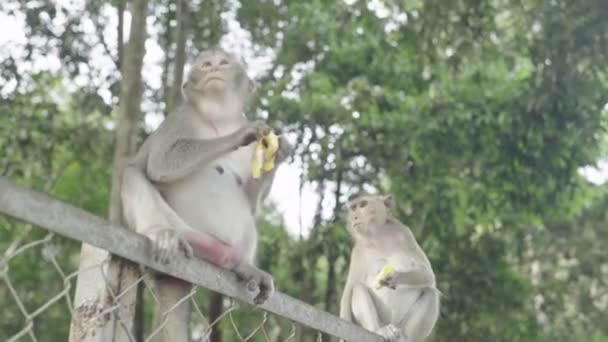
[(60, 218)]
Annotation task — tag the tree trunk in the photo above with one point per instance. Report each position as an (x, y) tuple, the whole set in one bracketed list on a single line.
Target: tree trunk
[(95, 291), (330, 289), (120, 8), (181, 34), (166, 40)]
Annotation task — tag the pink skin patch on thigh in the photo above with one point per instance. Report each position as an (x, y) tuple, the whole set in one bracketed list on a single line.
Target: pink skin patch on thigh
[(214, 250)]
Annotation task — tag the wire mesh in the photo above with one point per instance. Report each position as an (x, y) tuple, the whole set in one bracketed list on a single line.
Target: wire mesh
[(38, 273)]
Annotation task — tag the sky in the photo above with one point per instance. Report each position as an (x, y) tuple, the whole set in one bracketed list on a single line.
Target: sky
[(296, 208)]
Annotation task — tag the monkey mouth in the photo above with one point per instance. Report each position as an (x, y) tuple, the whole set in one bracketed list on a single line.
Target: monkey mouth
[(214, 78)]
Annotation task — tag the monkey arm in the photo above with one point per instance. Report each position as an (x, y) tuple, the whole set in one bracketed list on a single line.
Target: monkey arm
[(346, 312), (258, 189), (418, 278), (182, 156), (354, 274)]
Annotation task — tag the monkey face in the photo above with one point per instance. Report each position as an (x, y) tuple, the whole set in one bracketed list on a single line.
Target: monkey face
[(366, 213), (216, 70)]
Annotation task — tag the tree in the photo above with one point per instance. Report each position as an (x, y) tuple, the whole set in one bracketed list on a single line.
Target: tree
[(91, 282)]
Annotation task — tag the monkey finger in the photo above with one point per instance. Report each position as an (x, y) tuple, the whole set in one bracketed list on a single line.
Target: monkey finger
[(158, 251), (187, 249), (164, 256), (248, 138), (174, 246), (266, 289), (389, 282), (260, 298), (167, 249), (162, 246), (261, 129)]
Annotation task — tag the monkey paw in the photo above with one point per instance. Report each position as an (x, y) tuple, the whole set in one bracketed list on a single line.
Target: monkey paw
[(253, 131), (390, 282), (168, 244), (390, 332), (258, 283)]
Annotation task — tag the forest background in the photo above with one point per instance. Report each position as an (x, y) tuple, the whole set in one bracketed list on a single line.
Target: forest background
[(485, 119)]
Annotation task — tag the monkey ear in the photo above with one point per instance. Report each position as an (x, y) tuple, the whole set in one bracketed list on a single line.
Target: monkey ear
[(388, 201)]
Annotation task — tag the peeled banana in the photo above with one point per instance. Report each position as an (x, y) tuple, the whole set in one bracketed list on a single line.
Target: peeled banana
[(265, 153), (387, 271)]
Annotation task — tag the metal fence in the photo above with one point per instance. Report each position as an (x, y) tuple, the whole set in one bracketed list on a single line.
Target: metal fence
[(279, 319)]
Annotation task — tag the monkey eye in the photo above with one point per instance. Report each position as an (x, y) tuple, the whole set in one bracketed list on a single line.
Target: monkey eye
[(206, 64), (362, 204), (223, 61), (353, 206)]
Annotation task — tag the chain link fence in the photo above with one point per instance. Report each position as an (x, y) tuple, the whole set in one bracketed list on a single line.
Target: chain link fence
[(237, 321), (41, 309)]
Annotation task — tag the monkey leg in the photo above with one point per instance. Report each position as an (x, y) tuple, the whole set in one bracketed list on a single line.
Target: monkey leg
[(422, 316), (148, 213), (364, 308), (142, 203), (172, 313), (371, 313)]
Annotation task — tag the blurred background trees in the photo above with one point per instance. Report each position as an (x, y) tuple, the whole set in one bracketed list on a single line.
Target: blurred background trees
[(479, 116)]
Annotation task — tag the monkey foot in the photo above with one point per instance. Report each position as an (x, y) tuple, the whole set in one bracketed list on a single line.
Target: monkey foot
[(390, 332), (258, 283), (168, 244)]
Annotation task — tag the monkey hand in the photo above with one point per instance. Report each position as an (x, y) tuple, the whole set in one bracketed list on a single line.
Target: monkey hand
[(257, 282), (389, 332), (385, 276), (254, 131), (168, 244)]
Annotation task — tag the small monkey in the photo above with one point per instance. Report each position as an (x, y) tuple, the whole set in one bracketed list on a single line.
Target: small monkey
[(406, 306), (190, 190)]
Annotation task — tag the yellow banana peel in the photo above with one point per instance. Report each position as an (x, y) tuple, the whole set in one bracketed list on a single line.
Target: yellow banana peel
[(264, 155), (387, 271)]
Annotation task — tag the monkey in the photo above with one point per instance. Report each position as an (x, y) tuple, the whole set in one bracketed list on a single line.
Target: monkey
[(189, 187), (406, 305)]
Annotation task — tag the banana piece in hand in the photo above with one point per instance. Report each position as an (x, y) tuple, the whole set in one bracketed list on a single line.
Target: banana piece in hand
[(387, 271), (265, 153)]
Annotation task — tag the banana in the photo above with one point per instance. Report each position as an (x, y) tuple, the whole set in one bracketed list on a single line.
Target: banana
[(387, 271), (264, 155)]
